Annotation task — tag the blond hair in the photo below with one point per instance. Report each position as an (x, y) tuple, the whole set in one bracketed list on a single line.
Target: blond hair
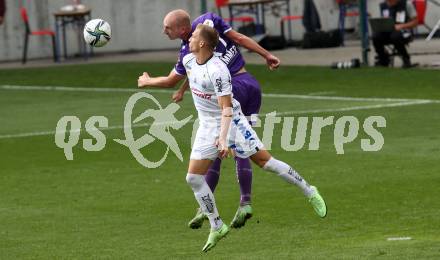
[(209, 35)]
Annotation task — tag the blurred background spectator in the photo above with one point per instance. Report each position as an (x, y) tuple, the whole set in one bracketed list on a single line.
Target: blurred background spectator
[(405, 17)]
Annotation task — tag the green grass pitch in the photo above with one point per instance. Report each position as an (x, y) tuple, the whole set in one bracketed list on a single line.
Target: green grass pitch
[(106, 205)]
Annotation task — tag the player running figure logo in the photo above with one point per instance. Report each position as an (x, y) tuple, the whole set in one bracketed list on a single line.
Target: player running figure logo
[(164, 119)]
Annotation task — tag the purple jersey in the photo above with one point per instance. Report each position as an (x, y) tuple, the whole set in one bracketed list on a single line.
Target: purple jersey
[(226, 49)]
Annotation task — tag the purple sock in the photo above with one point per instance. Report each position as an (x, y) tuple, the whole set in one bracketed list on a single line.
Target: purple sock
[(213, 174), (244, 176)]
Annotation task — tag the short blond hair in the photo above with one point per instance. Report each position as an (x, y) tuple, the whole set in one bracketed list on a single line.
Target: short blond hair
[(209, 35)]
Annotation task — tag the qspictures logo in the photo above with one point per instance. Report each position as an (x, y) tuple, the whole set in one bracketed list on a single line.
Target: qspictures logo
[(346, 130), (164, 119)]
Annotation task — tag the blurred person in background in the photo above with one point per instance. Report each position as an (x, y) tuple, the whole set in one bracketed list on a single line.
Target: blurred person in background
[(404, 15)]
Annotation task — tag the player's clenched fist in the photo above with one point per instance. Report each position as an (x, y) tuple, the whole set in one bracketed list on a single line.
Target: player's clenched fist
[(272, 62)]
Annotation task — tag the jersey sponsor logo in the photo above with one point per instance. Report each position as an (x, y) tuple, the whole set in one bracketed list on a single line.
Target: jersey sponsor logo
[(218, 84), (229, 54), (201, 94)]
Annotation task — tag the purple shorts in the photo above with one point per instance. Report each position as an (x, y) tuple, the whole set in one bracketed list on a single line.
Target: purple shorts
[(246, 90)]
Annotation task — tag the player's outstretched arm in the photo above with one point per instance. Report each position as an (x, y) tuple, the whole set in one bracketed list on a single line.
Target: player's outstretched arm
[(271, 60), (163, 82)]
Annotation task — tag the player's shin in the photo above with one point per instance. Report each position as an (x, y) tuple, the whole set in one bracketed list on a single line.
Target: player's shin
[(213, 174), (205, 198), (288, 174), (244, 176)]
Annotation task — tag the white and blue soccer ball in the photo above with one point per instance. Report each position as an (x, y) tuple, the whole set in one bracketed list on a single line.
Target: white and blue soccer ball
[(97, 32)]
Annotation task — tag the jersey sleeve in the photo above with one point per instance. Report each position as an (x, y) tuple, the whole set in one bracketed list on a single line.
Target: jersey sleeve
[(179, 68), (221, 79), (221, 25)]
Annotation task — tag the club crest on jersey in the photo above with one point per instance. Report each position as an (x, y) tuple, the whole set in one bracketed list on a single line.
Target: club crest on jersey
[(209, 22)]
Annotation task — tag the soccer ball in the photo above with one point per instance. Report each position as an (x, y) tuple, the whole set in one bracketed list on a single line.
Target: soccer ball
[(97, 32)]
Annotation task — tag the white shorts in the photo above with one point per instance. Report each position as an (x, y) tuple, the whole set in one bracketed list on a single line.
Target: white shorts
[(241, 138)]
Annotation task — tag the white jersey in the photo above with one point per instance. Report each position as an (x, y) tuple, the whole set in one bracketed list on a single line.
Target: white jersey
[(208, 81)]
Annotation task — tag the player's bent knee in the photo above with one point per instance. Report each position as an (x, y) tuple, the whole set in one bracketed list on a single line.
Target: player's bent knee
[(194, 180), (261, 158)]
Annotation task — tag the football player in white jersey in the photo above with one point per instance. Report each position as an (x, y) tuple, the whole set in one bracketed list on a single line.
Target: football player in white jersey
[(245, 87), (222, 127)]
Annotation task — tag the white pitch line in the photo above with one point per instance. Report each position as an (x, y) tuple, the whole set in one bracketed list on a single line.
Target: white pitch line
[(398, 238), (320, 93), (27, 134), (152, 90), (43, 133), (294, 112), (79, 89), (345, 98), (354, 108)]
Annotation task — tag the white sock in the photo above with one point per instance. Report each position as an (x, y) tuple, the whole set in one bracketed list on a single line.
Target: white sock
[(205, 198), (288, 174)]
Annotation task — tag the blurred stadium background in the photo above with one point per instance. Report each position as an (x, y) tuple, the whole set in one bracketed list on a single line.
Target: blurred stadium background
[(137, 24)]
